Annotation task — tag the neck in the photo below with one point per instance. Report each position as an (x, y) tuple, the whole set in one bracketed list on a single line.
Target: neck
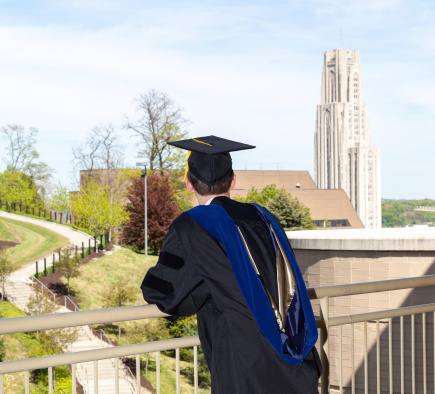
[(203, 199)]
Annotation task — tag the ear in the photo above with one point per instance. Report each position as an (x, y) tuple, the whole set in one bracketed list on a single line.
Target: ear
[(189, 185), (233, 182)]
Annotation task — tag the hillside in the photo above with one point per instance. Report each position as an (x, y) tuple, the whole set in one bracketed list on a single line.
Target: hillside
[(399, 213), (32, 242)]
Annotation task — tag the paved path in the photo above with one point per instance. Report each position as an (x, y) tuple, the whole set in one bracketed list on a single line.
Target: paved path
[(19, 290), (76, 238)]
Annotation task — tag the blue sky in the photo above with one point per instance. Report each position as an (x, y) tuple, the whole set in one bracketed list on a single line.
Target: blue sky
[(249, 71)]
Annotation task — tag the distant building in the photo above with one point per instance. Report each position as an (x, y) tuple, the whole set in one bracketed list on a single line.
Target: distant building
[(343, 155), (328, 208)]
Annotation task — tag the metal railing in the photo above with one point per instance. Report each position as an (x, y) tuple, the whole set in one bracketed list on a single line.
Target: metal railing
[(43, 287), (325, 324), (67, 298)]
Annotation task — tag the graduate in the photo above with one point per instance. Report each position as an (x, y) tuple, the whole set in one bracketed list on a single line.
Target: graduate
[(232, 265)]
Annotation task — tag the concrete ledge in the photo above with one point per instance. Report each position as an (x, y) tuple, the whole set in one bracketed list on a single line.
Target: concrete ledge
[(385, 239)]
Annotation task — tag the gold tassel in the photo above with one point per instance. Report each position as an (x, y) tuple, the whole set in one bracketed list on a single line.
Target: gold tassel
[(187, 165)]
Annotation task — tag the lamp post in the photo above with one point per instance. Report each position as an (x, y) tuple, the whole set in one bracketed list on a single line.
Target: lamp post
[(144, 175)]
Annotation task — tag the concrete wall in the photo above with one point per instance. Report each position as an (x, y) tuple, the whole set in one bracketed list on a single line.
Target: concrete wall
[(353, 256)]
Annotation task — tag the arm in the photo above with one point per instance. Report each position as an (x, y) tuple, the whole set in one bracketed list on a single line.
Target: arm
[(174, 283)]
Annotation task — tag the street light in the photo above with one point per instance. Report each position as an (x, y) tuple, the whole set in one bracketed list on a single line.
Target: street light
[(144, 175)]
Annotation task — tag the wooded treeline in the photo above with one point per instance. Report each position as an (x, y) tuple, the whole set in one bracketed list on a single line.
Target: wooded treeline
[(400, 213)]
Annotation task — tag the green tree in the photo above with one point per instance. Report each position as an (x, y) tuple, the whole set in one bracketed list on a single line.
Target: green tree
[(96, 210), (268, 193), (291, 213), (399, 213), (53, 341), (160, 121), (69, 263), (40, 304), (120, 294), (21, 154), (60, 199), (18, 188), (6, 269)]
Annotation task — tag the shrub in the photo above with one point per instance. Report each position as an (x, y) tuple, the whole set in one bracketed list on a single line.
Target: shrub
[(161, 212)]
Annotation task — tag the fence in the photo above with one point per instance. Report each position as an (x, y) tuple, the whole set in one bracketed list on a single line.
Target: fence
[(83, 252), (49, 214), (325, 323)]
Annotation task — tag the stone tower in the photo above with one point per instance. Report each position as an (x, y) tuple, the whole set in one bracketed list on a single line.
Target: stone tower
[(343, 155)]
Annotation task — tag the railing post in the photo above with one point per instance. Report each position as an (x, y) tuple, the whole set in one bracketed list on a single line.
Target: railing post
[(73, 373), (45, 266), (137, 373), (26, 382), (324, 344), (50, 380), (117, 375), (36, 270), (83, 250), (177, 370), (95, 377), (195, 369), (54, 261), (158, 372)]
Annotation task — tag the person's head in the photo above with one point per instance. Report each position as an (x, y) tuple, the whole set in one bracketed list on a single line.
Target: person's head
[(193, 184), (209, 166)]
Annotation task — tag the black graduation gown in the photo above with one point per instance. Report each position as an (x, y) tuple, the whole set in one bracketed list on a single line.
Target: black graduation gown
[(194, 275)]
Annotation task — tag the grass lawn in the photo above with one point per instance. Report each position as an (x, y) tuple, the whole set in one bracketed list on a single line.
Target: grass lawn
[(34, 242), (14, 349), (96, 278)]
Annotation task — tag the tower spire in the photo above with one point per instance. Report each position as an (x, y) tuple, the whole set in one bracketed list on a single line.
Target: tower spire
[(343, 155)]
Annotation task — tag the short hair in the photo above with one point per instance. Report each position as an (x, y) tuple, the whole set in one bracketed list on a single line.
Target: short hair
[(204, 190)]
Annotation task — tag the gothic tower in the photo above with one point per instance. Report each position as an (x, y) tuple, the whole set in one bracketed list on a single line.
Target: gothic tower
[(343, 155)]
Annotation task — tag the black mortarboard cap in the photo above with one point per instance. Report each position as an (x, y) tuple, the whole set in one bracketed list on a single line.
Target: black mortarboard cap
[(210, 160)]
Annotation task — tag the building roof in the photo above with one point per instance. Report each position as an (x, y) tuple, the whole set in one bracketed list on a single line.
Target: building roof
[(286, 179), (330, 205)]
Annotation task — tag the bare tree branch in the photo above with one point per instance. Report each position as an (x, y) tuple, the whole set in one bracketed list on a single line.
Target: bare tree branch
[(160, 121), (101, 151)]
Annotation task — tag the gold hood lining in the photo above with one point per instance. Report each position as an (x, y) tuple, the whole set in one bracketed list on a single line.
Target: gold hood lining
[(285, 279)]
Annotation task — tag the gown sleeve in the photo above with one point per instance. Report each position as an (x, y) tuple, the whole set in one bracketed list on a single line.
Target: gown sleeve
[(174, 283)]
